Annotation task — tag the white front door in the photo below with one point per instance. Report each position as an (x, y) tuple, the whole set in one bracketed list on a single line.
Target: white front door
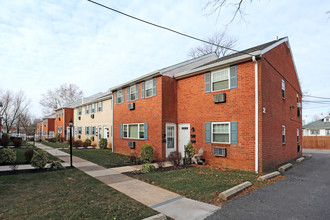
[(170, 138), (184, 136), (105, 132)]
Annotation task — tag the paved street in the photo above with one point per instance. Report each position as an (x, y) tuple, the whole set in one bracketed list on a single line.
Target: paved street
[(305, 194)]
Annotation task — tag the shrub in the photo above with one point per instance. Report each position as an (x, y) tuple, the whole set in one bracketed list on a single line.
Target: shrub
[(147, 168), (175, 158), (88, 142), (85, 144), (7, 156), (39, 159), (17, 142), (56, 165), (189, 151), (57, 137), (147, 153), (133, 158), (52, 140), (28, 155), (103, 143), (77, 143), (62, 139), (5, 139)]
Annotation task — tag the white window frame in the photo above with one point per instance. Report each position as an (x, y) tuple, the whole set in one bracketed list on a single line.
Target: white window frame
[(99, 107), (79, 110), (87, 109), (298, 135), (327, 132), (229, 129), (283, 89), (127, 126), (228, 74), (145, 89), (120, 94), (283, 134), (79, 130), (315, 132), (59, 129), (131, 93), (93, 108)]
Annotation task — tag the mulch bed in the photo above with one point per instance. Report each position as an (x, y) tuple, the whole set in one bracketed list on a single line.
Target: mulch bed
[(159, 170)]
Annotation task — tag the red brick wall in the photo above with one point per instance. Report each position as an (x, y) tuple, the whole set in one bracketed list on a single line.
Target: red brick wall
[(278, 110), (197, 107), (147, 110), (51, 127)]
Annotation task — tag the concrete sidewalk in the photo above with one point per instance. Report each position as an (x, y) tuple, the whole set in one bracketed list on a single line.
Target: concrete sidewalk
[(161, 200)]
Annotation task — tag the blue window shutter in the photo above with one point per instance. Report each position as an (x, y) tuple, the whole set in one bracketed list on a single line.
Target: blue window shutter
[(154, 87), (207, 82), (115, 98), (121, 130), (127, 94), (233, 132), (145, 131), (233, 77), (137, 92), (207, 132), (142, 90)]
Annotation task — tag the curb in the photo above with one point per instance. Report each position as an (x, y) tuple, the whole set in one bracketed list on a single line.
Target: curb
[(268, 176), (225, 195), (160, 216), (285, 167), (308, 156), (300, 159)]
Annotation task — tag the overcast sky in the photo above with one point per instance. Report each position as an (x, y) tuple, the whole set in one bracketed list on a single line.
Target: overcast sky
[(45, 43)]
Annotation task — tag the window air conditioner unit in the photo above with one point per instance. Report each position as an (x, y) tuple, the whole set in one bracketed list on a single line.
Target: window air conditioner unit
[(298, 104), (131, 144), (92, 115), (220, 151), (219, 98), (131, 106), (79, 118)]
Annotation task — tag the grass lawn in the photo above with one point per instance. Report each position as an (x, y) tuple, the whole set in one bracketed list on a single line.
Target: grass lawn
[(100, 156), (56, 145), (203, 184), (65, 194), (21, 158)]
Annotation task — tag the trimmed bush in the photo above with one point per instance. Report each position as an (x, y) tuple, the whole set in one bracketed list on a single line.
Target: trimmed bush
[(39, 159), (28, 155), (7, 156), (17, 142), (88, 142), (56, 165), (147, 153), (103, 143), (175, 158), (147, 168), (189, 150), (5, 139)]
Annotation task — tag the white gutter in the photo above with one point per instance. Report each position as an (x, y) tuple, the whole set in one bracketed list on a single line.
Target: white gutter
[(256, 114)]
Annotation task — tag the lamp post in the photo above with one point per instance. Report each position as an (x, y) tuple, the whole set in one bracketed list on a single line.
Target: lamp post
[(1, 105), (34, 136), (70, 125)]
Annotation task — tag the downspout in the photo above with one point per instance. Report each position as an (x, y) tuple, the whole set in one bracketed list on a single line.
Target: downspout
[(113, 129), (256, 114)]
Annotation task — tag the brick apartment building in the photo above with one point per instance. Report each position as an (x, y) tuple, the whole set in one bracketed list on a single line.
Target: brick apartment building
[(62, 118), (243, 109)]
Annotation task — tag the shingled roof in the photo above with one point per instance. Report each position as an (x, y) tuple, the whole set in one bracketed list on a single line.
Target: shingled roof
[(319, 124)]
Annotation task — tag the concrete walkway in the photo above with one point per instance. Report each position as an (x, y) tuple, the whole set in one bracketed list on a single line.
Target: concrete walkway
[(161, 200)]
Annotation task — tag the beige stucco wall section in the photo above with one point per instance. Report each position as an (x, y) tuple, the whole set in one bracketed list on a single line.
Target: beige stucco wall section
[(101, 119)]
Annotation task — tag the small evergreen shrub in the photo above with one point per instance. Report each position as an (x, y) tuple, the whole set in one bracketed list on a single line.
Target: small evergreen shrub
[(147, 168), (17, 142), (88, 142), (28, 155), (175, 158), (56, 165), (189, 150), (7, 156), (5, 139), (103, 143), (57, 137), (147, 153), (39, 159)]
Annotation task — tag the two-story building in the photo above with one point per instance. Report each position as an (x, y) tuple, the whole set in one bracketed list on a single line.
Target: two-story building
[(243, 109), (62, 118), (93, 118)]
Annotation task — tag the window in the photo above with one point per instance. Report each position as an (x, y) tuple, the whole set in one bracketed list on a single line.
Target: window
[(133, 93), (79, 130), (93, 108), (93, 131), (327, 132), (315, 132), (45, 132), (220, 132), (170, 136), (87, 130), (79, 110), (59, 129), (134, 131), (149, 85), (298, 135), (283, 89), (220, 80), (219, 151), (297, 97), (99, 106), (283, 134), (87, 109), (120, 96)]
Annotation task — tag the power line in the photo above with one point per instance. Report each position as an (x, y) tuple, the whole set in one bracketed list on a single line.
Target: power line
[(318, 97), (327, 106)]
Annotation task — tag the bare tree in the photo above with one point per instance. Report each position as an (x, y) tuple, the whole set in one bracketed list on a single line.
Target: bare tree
[(14, 105), (60, 97), (215, 6), (25, 121), (221, 44)]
